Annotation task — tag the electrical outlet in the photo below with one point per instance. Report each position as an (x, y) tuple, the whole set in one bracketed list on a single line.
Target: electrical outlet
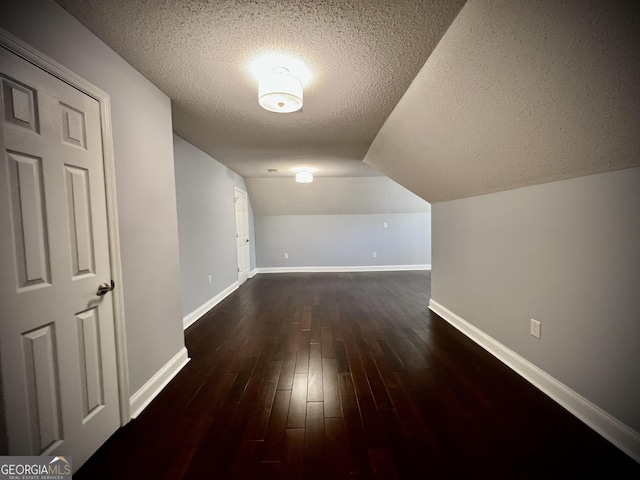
[(209, 279), (286, 255), (384, 224), (375, 254), (535, 328)]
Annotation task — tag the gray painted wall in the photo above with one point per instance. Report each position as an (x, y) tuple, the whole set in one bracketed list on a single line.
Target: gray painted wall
[(332, 196), (207, 225), (142, 137), (565, 253), (343, 240)]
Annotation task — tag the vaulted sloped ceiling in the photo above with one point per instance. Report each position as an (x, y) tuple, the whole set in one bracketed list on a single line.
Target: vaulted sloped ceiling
[(519, 92), (362, 54)]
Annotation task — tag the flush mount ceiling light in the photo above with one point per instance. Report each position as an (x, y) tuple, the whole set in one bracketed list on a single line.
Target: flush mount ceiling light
[(304, 174), (280, 92), (304, 177)]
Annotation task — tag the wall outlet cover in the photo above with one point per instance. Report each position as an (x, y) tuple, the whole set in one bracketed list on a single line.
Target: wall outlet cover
[(535, 328)]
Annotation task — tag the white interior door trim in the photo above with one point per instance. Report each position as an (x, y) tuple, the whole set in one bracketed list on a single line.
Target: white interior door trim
[(244, 249), (20, 48)]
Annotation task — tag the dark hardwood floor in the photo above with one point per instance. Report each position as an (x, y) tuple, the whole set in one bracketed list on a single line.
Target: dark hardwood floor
[(347, 375)]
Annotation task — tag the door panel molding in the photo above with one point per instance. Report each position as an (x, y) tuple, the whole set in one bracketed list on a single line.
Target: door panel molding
[(43, 389), (20, 48)]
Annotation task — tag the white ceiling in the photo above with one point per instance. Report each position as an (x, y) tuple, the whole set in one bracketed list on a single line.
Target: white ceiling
[(363, 54)]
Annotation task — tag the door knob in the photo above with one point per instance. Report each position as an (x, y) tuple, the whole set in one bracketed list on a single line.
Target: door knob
[(105, 288)]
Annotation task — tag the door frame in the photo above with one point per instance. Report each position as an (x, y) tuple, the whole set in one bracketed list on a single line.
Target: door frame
[(248, 259), (30, 54)]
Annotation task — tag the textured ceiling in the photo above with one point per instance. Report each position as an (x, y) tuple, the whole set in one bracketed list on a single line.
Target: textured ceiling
[(363, 54), (517, 93)]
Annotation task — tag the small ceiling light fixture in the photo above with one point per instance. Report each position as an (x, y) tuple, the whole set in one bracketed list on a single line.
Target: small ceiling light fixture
[(304, 174), (304, 177), (280, 92)]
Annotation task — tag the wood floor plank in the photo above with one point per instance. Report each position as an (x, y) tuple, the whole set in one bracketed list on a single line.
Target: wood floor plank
[(247, 460), (336, 448), (261, 410), (327, 342), (318, 315), (306, 318), (187, 432), (359, 377), (202, 460), (293, 460), (347, 375), (178, 464), (382, 463), (374, 434), (303, 348), (314, 442), (211, 395), (285, 380), (358, 454), (342, 361), (376, 385), (240, 383), (298, 406), (275, 434), (389, 378), (314, 385), (330, 390), (392, 358)]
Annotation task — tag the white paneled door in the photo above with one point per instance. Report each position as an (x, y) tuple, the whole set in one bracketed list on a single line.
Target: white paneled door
[(57, 347), (242, 234)]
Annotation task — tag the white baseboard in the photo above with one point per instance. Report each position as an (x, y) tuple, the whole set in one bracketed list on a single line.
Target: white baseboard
[(253, 273), (362, 268), (194, 316), (154, 386), (622, 436)]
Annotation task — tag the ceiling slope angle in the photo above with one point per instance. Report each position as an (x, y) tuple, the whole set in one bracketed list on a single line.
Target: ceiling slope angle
[(518, 93), (362, 56)]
